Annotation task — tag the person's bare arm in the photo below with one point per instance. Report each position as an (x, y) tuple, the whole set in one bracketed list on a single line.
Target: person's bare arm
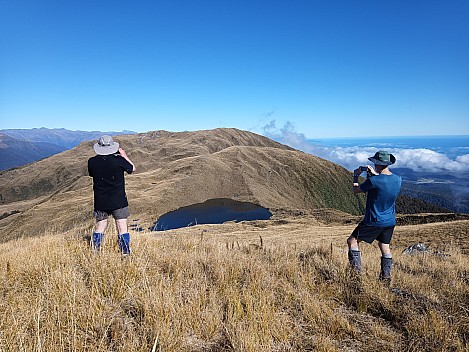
[(124, 155), (356, 174), (356, 185)]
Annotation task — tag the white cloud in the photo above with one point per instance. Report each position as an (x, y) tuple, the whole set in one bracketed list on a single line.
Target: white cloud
[(352, 157), (429, 160), (464, 159)]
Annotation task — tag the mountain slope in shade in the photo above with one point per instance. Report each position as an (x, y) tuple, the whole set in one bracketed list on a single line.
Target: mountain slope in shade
[(176, 170), (15, 152)]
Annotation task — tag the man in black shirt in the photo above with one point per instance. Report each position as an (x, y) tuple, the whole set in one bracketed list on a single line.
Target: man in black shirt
[(107, 169)]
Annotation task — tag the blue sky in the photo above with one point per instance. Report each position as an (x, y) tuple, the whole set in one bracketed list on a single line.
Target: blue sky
[(328, 68)]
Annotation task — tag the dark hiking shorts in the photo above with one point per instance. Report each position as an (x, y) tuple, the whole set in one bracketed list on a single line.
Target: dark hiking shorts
[(370, 233), (121, 213)]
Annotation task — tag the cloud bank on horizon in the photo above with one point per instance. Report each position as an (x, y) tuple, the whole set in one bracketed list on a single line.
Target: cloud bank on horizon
[(416, 159)]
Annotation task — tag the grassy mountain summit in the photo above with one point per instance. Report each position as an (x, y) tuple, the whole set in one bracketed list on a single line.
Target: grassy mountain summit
[(175, 170)]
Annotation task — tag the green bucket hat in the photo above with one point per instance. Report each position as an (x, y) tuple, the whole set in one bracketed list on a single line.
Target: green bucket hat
[(382, 158)]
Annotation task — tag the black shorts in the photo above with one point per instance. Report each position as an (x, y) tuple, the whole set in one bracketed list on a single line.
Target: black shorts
[(121, 213), (370, 233)]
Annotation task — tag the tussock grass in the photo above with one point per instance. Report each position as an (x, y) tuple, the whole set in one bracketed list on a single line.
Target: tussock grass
[(191, 292)]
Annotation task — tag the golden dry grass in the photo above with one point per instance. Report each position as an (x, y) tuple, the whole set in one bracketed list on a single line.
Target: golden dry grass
[(211, 288)]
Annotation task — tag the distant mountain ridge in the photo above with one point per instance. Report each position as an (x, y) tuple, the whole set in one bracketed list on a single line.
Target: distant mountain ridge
[(59, 136), (15, 152), (23, 146)]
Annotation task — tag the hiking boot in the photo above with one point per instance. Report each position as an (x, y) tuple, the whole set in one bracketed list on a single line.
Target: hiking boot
[(385, 281), (124, 243), (354, 281), (386, 268), (97, 240), (355, 260)]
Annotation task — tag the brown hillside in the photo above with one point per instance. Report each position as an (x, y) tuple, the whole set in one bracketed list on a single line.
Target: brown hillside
[(149, 151), (174, 170)]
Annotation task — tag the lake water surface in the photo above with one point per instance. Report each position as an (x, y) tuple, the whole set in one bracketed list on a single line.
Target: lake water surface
[(212, 211)]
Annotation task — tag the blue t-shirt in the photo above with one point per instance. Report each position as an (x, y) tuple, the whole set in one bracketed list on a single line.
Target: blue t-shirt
[(382, 191)]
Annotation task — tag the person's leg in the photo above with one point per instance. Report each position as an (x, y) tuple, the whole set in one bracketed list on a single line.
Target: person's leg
[(98, 233), (353, 243), (100, 226), (386, 262), (123, 238), (121, 225), (354, 255), (385, 249)]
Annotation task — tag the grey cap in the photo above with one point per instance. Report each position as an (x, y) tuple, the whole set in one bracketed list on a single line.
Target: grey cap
[(106, 146)]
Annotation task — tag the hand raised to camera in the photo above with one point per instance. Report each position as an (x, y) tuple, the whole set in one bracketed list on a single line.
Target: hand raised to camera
[(372, 171), (358, 171), (124, 155)]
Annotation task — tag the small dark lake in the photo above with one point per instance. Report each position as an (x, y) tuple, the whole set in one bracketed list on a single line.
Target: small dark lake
[(212, 211)]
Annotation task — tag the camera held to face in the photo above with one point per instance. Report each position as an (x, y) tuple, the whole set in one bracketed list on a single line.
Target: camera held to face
[(368, 171)]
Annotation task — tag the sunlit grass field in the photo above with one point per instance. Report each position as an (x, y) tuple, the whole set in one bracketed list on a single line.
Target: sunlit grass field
[(202, 289)]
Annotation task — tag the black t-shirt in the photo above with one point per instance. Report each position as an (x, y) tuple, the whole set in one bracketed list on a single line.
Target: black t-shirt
[(108, 181)]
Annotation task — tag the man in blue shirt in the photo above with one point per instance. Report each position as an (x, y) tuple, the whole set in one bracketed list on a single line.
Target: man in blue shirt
[(107, 169), (382, 188)]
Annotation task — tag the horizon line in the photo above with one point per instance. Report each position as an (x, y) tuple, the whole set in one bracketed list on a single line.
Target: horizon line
[(248, 130)]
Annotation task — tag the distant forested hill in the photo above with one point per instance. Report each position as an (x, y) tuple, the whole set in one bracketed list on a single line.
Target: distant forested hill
[(411, 205), (452, 195)]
